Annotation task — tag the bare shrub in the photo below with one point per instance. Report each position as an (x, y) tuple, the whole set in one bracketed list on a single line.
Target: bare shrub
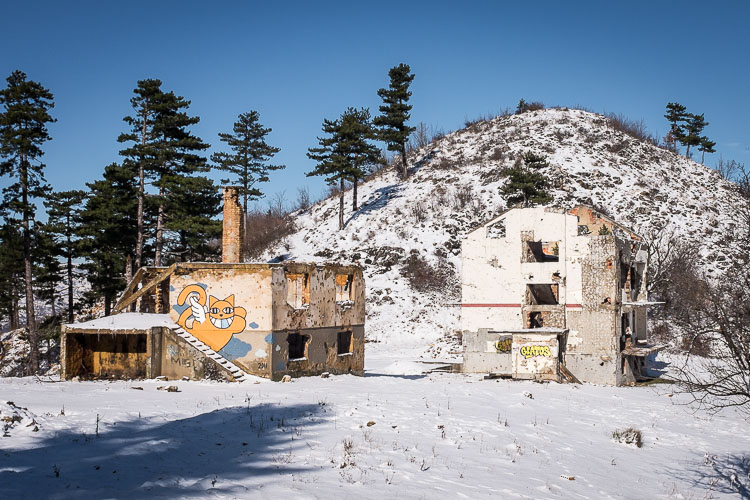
[(263, 230), (628, 436), (497, 155), (303, 198), (633, 128), (727, 169), (525, 107), (424, 277), (418, 211), (462, 197)]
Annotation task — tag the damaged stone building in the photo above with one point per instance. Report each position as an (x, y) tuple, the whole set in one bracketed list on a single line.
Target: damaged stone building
[(226, 320), (555, 294)]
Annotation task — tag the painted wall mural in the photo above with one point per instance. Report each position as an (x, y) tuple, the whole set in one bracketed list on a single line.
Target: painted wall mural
[(209, 319), (530, 351)]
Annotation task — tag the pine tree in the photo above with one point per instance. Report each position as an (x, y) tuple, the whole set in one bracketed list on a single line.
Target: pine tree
[(176, 159), (63, 211), (147, 106), (353, 136), (393, 129), (11, 273), (331, 163), (676, 116), (109, 213), (23, 131), (706, 146), (193, 204), (249, 156), (693, 128), (527, 184), (48, 273)]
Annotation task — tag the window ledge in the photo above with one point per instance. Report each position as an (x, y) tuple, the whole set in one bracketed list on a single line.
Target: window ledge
[(297, 359), (346, 354)]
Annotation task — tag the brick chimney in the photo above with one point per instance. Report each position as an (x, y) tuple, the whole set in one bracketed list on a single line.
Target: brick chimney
[(233, 226)]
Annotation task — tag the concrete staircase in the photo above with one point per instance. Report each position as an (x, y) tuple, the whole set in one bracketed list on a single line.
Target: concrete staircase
[(238, 373)]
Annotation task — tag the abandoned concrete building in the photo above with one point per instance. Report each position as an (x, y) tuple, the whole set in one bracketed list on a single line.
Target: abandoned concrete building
[(555, 294), (225, 320)]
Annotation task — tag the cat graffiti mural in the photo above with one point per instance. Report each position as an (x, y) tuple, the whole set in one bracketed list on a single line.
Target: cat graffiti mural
[(209, 319)]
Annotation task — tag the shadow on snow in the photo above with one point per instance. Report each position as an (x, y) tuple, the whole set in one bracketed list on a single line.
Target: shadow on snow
[(207, 453)]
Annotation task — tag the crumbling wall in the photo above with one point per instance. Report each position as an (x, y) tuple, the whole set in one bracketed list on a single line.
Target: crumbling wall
[(592, 352), (488, 352), (322, 319), (179, 359)]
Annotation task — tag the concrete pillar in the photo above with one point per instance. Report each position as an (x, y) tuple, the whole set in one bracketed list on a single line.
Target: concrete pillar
[(233, 226)]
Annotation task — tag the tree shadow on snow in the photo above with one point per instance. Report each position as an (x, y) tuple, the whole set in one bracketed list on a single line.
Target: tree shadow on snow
[(382, 196), (204, 454), (727, 474), (392, 375)]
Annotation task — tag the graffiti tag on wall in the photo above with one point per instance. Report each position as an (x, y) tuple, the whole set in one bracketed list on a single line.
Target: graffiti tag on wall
[(504, 344), (530, 351), (211, 320)]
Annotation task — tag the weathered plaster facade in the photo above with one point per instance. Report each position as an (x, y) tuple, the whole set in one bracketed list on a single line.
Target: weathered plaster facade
[(532, 274)]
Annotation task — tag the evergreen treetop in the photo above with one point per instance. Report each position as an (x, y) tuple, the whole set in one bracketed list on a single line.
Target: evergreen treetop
[(391, 123), (249, 156)]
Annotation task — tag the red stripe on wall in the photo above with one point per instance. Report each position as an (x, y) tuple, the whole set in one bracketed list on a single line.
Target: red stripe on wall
[(490, 305), (511, 305)]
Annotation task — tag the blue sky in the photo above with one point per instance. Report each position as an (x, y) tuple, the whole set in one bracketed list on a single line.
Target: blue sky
[(298, 62)]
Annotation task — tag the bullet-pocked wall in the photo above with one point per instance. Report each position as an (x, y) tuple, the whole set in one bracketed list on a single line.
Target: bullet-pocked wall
[(275, 319)]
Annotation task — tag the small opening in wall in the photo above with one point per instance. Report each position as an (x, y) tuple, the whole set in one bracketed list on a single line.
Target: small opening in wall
[(298, 289), (344, 287), (542, 251), (536, 320), (297, 345), (543, 294), (344, 343)]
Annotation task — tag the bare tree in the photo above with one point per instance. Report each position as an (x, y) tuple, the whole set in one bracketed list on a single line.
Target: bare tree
[(719, 315)]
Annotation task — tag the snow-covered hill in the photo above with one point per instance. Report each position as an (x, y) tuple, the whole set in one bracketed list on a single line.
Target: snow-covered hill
[(455, 184)]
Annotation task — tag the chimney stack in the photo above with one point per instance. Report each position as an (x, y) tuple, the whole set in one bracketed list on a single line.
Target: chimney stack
[(233, 226)]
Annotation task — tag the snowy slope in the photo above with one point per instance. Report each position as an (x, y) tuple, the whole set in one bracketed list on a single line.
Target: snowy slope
[(455, 187)]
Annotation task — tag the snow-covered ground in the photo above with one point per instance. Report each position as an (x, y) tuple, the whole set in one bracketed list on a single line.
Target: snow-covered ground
[(396, 432)]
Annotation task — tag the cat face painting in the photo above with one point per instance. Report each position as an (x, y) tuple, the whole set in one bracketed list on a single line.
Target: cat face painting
[(210, 320)]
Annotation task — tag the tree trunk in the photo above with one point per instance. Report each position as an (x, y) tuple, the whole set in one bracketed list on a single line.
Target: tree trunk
[(341, 204), (107, 304), (52, 300), (354, 196), (70, 277), (703, 156), (13, 309), (30, 316), (687, 152), (159, 229), (404, 172), (141, 195)]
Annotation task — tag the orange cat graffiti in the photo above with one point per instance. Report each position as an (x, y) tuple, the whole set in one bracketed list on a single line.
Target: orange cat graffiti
[(213, 324)]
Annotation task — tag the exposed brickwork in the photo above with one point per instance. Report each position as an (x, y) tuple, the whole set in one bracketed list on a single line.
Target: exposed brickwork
[(233, 227)]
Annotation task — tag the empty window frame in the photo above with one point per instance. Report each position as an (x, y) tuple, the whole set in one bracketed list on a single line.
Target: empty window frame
[(344, 287), (298, 289), (297, 345), (344, 343), (544, 294), (535, 320), (541, 251)]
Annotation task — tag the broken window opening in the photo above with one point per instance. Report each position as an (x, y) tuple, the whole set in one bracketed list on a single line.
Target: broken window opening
[(344, 287), (344, 343), (297, 345), (298, 290), (543, 294), (536, 320), (542, 251)]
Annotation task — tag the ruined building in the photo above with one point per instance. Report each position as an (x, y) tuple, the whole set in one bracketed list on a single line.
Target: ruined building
[(550, 294), (223, 320)]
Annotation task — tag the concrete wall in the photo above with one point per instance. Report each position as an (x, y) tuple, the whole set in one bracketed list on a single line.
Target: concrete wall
[(256, 337), (242, 337), (497, 266)]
